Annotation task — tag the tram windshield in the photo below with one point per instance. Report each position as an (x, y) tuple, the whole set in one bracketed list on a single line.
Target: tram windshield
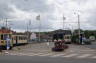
[(58, 36), (4, 36)]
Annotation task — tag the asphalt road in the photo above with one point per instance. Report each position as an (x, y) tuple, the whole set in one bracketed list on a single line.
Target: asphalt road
[(41, 53), (92, 46), (27, 59)]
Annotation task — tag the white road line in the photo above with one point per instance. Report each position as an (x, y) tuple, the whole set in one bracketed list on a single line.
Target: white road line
[(46, 54), (55, 55), (12, 54), (94, 57), (32, 54), (58, 55), (38, 54), (84, 56), (70, 55)]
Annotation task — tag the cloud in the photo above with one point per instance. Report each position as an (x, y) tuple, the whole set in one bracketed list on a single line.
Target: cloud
[(39, 6), (51, 13), (4, 9), (25, 10)]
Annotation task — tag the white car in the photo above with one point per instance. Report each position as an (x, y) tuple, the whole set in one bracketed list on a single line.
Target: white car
[(92, 38)]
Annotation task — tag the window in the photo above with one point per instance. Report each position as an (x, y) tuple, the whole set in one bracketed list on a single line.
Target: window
[(5, 36), (67, 37), (1, 36)]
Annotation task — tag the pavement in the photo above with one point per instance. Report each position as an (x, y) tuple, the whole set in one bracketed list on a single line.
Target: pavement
[(42, 53), (44, 50), (35, 59)]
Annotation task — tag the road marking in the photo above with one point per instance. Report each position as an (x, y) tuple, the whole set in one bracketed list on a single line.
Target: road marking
[(58, 55), (84, 55), (54, 55), (34, 54), (48, 54), (70, 55), (12, 54), (94, 57)]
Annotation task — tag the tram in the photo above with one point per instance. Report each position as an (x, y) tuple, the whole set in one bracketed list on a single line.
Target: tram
[(15, 38), (3, 35), (59, 43), (67, 39), (19, 39)]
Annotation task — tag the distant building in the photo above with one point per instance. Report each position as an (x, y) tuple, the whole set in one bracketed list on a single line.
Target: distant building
[(33, 36)]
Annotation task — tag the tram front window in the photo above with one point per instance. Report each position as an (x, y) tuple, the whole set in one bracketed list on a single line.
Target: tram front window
[(5, 36), (2, 37)]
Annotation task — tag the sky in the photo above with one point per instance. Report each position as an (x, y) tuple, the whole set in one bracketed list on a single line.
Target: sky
[(21, 14)]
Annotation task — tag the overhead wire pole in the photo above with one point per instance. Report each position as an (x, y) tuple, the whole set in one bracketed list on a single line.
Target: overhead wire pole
[(63, 21), (0, 21), (78, 19), (39, 31), (79, 27), (6, 22), (38, 18), (28, 29), (79, 32)]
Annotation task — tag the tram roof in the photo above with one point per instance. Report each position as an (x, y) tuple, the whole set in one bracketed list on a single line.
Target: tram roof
[(5, 31), (19, 33)]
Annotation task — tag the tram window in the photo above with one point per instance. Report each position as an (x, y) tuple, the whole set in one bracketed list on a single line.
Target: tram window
[(19, 38), (9, 35), (67, 37), (14, 38), (24, 38), (2, 37), (5, 36)]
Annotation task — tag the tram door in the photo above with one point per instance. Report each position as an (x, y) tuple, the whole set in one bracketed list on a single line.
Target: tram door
[(16, 40)]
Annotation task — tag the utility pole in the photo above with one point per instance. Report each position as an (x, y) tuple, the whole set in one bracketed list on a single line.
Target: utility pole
[(28, 29), (29, 23), (38, 18), (6, 23), (39, 31), (63, 21), (79, 27)]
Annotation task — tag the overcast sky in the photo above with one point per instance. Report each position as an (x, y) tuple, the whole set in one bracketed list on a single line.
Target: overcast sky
[(20, 12)]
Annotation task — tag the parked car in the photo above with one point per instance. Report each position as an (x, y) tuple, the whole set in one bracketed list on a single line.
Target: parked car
[(86, 41), (92, 38)]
